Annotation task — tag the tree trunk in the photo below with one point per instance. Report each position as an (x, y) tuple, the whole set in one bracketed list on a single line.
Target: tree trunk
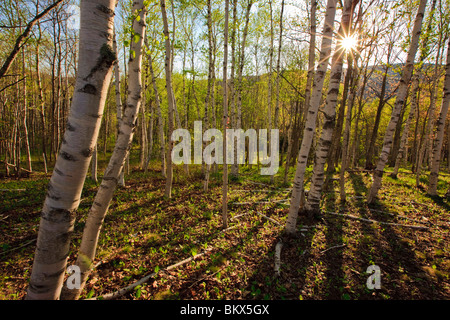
[(97, 213), (225, 121), (25, 113), (208, 90), (404, 139), (241, 61), (381, 103), (438, 142), (428, 137), (171, 102), (348, 119), (96, 59), (298, 125), (162, 141), (41, 96), (312, 204), (94, 165), (277, 79), (310, 125), (118, 99), (401, 96)]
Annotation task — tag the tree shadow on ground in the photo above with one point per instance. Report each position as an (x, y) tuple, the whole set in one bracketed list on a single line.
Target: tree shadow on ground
[(331, 260), (395, 250)]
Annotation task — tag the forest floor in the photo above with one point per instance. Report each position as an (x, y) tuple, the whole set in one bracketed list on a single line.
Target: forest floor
[(145, 233)]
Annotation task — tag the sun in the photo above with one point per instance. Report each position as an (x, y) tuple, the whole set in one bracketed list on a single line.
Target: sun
[(349, 43)]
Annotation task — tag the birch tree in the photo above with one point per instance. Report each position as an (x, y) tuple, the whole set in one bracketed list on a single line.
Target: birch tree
[(414, 92), (309, 76), (96, 59), (400, 100), (315, 191), (310, 125), (438, 141), (102, 200)]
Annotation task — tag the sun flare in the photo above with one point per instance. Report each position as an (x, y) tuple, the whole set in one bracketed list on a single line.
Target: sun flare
[(349, 43)]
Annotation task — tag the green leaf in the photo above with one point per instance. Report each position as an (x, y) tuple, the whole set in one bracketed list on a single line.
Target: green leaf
[(156, 269), (136, 38), (138, 293), (133, 54), (90, 294), (138, 18)]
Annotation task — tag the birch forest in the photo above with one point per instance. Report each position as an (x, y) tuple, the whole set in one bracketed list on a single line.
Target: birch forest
[(224, 150)]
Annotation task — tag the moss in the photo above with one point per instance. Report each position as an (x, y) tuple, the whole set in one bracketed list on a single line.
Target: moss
[(107, 55)]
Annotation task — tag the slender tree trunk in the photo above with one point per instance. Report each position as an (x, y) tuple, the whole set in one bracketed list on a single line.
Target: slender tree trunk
[(311, 56), (310, 125), (225, 120), (438, 142), (241, 61), (208, 90), (277, 79), (269, 74), (309, 81), (162, 141), (41, 95), (171, 101), (144, 142), (381, 102), (348, 119), (404, 139), (96, 59), (150, 138), (401, 96), (94, 165), (118, 99), (98, 211), (428, 137), (25, 113)]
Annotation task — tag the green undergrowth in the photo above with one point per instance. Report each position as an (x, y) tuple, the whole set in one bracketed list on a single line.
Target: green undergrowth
[(327, 259)]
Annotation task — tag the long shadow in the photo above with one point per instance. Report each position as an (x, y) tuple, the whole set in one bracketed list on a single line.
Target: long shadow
[(299, 259), (218, 260), (392, 249), (333, 257), (440, 201), (295, 258)]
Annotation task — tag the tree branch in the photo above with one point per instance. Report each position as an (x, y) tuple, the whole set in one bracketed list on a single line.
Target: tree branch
[(23, 36)]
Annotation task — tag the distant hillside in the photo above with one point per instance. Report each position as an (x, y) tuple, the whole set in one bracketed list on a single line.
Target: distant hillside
[(374, 83)]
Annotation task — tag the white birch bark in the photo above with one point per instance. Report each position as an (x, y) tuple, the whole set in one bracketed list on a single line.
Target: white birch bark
[(404, 139), (98, 211), (438, 142), (96, 59), (315, 192), (310, 125), (400, 100), (241, 61)]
